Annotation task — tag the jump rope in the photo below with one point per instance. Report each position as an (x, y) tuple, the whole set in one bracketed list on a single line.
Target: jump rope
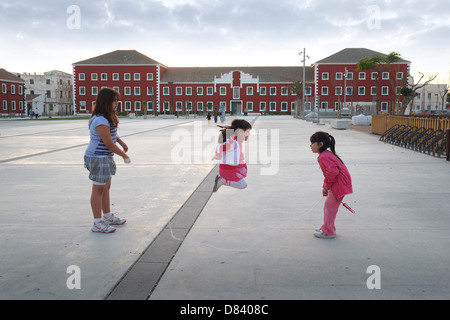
[(261, 238)]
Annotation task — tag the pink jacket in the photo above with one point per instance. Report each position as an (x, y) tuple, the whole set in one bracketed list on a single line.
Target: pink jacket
[(337, 177)]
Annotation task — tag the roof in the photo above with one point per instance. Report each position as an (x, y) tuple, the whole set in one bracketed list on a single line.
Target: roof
[(120, 57), (207, 74), (8, 76), (352, 55)]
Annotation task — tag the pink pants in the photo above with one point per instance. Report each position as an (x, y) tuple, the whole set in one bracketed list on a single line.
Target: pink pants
[(330, 211)]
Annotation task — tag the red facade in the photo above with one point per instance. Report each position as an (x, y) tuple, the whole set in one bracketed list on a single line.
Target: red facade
[(147, 85), (12, 94)]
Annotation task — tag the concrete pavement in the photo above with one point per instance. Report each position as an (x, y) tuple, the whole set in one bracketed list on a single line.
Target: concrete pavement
[(183, 242)]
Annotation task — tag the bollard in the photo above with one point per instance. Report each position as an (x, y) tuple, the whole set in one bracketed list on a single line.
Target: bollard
[(447, 150)]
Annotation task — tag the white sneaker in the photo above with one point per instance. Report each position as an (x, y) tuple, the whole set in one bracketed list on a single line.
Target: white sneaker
[(113, 220), (102, 227), (321, 234)]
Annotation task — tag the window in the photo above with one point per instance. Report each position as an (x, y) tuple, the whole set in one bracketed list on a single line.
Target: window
[(361, 91), (82, 91), (94, 76), (273, 106), (308, 91), (385, 91), (236, 92), (338, 75), (200, 91), (385, 76), (209, 106), (94, 91), (249, 106), (82, 105), (179, 91), (384, 106), (284, 91), (325, 91), (263, 91), (209, 91), (189, 91), (349, 75), (249, 91), (273, 91), (166, 91), (338, 91), (374, 75), (199, 106), (137, 76), (349, 91), (127, 77), (262, 106), (137, 91), (399, 75), (149, 91), (284, 106), (179, 106), (127, 91), (81, 77), (149, 105), (137, 106), (324, 105), (127, 105), (362, 76), (13, 89), (104, 76), (223, 91), (325, 75), (115, 77), (188, 105), (149, 76), (373, 91)]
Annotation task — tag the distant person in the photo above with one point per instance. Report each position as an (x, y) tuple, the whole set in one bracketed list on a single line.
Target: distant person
[(215, 115), (232, 168), (337, 183), (99, 161), (208, 116)]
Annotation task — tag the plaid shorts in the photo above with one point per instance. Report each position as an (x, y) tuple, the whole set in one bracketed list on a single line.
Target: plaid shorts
[(101, 169)]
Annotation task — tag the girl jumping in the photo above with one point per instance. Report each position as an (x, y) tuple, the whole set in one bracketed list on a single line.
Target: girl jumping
[(232, 168), (337, 183)]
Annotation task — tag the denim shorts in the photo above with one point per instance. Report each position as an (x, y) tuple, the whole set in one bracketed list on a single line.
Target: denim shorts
[(101, 169)]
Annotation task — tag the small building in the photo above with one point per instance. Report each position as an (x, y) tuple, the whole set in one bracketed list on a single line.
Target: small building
[(54, 88), (12, 95)]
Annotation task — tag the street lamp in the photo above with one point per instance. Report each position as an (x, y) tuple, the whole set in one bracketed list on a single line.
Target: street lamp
[(303, 81)]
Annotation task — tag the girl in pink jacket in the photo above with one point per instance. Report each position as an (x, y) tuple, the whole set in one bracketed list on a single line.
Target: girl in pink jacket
[(337, 183), (232, 168)]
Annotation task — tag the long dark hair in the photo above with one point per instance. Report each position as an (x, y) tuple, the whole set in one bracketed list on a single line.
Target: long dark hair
[(228, 131), (327, 140), (103, 106)]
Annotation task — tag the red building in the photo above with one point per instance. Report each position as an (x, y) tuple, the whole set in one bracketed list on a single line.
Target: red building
[(339, 73), (12, 94), (148, 85)]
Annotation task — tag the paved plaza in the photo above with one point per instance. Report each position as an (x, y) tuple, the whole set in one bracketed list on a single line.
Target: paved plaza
[(181, 241)]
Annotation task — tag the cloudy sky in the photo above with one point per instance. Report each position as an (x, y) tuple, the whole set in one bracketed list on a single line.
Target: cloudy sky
[(42, 35)]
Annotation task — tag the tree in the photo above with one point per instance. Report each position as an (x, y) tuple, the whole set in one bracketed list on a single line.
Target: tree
[(379, 64), (411, 92)]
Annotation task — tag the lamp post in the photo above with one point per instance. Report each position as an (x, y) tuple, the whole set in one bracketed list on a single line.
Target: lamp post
[(303, 81)]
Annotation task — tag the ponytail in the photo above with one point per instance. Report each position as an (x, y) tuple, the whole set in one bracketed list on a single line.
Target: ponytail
[(228, 131), (327, 140)]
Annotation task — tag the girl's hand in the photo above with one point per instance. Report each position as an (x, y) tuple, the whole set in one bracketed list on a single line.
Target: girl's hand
[(325, 192), (127, 160)]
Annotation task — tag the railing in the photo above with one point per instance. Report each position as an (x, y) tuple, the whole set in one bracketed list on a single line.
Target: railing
[(381, 123), (424, 134)]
